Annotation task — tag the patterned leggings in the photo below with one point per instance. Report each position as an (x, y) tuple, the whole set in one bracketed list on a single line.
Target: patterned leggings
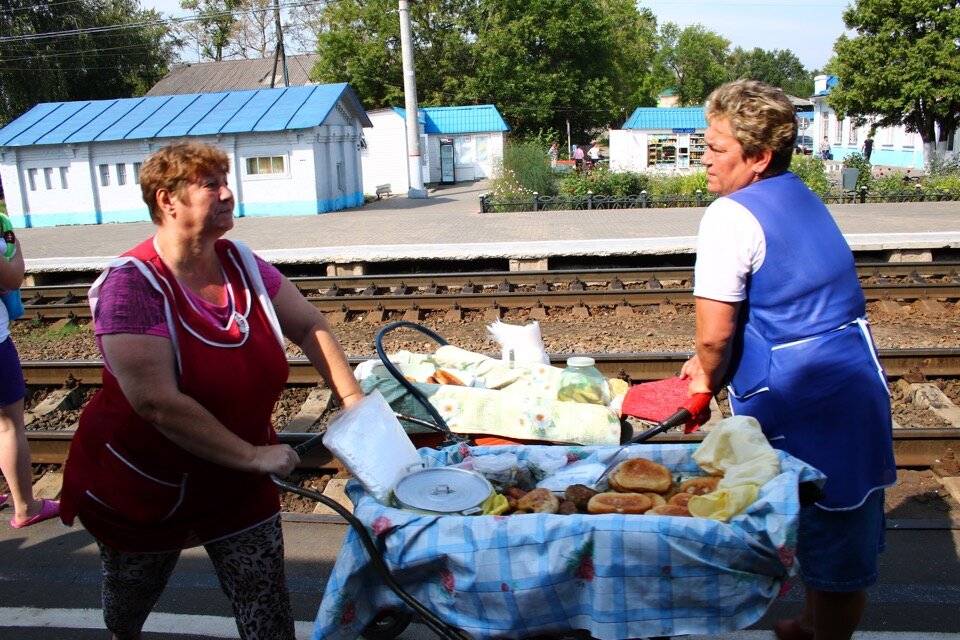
[(249, 566)]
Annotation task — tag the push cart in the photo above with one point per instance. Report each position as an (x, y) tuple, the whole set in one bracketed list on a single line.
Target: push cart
[(613, 576)]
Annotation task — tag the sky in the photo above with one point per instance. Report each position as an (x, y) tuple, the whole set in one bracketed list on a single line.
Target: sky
[(808, 28)]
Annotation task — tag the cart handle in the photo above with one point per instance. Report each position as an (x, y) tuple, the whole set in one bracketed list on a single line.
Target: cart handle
[(692, 407), (441, 424), (436, 625)]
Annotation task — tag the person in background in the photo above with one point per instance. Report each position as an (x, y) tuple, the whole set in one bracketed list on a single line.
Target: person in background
[(868, 146), (780, 319), (578, 157), (177, 448), (554, 153), (825, 152), (594, 154), (14, 449)]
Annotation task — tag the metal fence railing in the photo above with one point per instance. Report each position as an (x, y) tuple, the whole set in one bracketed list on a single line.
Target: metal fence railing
[(644, 200)]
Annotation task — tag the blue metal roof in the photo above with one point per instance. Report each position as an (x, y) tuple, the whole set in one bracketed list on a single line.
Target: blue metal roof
[(179, 115), (666, 118), (467, 119)]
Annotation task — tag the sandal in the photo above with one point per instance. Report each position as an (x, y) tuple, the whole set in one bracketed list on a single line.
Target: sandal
[(790, 629), (50, 509)]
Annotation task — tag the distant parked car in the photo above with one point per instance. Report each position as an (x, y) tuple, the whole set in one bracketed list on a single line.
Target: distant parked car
[(805, 145)]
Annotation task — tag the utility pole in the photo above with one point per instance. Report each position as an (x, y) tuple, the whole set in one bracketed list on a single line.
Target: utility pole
[(414, 168), (279, 53)]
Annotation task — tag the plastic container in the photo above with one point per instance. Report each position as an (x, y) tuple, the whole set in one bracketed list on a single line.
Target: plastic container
[(581, 381)]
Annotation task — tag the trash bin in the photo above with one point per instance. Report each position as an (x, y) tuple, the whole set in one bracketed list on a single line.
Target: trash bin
[(848, 180)]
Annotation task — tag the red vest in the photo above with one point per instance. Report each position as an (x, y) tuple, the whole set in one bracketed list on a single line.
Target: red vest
[(132, 487)]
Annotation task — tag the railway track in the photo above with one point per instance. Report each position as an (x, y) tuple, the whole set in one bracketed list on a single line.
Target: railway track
[(344, 296)]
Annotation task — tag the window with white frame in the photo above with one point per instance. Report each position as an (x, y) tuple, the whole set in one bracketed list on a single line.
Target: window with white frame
[(32, 179), (887, 136), (136, 172), (463, 145), (483, 142), (104, 175), (121, 174), (63, 177), (851, 133), (48, 177), (424, 150), (838, 131), (266, 166)]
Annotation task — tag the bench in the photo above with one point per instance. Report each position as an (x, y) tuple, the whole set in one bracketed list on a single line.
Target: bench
[(382, 190)]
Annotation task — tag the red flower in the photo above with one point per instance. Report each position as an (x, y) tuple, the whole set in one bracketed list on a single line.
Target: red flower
[(381, 525), (349, 613), (585, 570), (447, 581)]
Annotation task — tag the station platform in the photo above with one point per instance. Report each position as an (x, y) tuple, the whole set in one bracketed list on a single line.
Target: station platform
[(448, 226)]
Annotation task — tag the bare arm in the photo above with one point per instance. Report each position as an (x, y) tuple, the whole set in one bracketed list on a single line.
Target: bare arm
[(306, 327), (716, 325), (11, 272), (145, 367)]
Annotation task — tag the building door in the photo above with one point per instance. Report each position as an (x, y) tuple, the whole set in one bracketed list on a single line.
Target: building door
[(447, 175)]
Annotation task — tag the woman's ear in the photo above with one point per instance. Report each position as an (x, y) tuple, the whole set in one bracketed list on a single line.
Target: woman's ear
[(164, 199), (761, 161)]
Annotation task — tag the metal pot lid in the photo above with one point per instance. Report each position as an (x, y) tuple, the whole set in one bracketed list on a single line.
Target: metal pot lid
[(442, 490)]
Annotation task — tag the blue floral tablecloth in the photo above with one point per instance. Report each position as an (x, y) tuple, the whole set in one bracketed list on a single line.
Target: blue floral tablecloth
[(615, 576)]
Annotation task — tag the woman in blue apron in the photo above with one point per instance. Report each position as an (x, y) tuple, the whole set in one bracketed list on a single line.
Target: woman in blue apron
[(780, 319)]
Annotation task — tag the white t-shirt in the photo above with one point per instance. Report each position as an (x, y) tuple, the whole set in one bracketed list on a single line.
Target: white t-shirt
[(594, 153), (730, 246)]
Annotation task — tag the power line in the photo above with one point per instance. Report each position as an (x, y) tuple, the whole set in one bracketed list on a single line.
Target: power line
[(146, 24)]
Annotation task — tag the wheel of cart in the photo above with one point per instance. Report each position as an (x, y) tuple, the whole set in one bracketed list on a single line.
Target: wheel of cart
[(388, 623)]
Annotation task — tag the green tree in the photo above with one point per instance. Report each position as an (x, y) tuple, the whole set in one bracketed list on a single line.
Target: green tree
[(781, 68), (696, 59), (81, 50), (545, 63), (213, 29), (360, 43), (633, 33), (901, 68)]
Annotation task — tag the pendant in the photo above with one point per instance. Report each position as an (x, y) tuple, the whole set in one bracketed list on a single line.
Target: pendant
[(241, 323)]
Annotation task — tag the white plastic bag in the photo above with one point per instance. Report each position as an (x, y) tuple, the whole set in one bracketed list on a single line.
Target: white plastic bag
[(521, 344), (368, 439)]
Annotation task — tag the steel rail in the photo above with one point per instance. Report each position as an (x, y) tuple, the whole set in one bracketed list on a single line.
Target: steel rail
[(931, 363), (481, 300)]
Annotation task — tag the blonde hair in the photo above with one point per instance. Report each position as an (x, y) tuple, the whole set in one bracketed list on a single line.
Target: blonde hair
[(174, 167), (761, 117)]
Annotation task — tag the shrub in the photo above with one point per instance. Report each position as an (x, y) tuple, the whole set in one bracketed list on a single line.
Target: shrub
[(812, 171), (604, 182), (857, 161), (525, 168)]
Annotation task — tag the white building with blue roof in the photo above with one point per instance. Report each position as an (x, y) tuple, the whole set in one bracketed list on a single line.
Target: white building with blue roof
[(892, 146), (293, 151), (667, 139), (458, 144)]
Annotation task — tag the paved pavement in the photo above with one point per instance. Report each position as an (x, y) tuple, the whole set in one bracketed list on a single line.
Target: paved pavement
[(49, 588), (448, 225)]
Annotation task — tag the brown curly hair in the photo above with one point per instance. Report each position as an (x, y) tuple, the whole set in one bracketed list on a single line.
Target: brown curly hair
[(175, 166), (761, 117)]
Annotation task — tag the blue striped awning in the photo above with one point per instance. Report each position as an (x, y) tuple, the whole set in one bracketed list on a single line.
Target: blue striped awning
[(668, 118), (466, 119)]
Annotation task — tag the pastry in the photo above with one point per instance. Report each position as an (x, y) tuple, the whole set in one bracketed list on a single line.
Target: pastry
[(539, 501), (640, 474), (616, 502)]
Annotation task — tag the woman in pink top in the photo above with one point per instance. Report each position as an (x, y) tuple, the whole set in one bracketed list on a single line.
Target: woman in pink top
[(177, 448)]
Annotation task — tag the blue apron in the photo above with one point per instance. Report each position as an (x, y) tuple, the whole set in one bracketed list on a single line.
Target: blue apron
[(804, 362)]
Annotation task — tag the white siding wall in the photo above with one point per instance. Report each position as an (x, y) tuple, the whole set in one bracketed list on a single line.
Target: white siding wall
[(628, 150), (384, 161)]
